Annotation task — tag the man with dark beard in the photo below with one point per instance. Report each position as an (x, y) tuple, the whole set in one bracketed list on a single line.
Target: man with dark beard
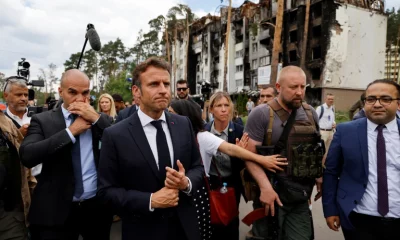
[(291, 208), (182, 91)]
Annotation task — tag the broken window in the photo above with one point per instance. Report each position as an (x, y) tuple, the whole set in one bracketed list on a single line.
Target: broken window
[(293, 36), (263, 61), (254, 47), (316, 10), (293, 56), (254, 64), (239, 54), (316, 73), (316, 53), (317, 31), (293, 17)]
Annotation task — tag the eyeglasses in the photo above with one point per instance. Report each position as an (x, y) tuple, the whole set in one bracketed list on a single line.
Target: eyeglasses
[(182, 89), (384, 101), (12, 80)]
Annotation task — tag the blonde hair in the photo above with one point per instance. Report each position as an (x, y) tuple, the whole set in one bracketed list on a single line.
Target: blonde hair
[(218, 96), (113, 112)]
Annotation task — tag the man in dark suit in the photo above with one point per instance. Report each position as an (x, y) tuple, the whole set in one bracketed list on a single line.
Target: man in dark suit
[(127, 112), (139, 169), (66, 140), (360, 183)]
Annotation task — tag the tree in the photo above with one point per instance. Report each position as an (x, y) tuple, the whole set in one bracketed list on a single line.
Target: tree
[(392, 24), (119, 85), (73, 61), (184, 10)]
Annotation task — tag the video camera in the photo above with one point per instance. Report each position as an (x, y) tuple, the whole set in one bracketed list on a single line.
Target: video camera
[(23, 72)]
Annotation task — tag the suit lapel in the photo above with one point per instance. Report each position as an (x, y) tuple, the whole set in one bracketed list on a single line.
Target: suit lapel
[(363, 138), (174, 131), (139, 137), (58, 119)]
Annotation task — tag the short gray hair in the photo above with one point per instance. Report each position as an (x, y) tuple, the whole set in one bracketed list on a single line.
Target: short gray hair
[(14, 81)]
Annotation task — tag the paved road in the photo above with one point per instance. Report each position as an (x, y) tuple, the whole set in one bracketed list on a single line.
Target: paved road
[(322, 232)]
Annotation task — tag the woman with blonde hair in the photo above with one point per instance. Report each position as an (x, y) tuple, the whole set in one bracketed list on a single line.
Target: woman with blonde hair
[(106, 105)]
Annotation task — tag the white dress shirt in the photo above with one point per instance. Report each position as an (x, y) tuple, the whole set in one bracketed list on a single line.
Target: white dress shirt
[(151, 135), (36, 170), (369, 201), (89, 172), (328, 118), (25, 119)]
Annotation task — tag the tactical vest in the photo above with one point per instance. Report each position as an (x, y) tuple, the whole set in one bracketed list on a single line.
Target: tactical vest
[(303, 149)]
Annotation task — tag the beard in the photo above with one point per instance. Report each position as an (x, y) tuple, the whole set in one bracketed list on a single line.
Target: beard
[(182, 95), (292, 104)]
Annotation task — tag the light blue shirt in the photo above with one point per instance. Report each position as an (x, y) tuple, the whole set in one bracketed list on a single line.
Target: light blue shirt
[(89, 173)]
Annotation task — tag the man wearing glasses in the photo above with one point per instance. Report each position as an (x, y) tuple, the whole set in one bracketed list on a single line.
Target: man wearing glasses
[(360, 187), (182, 91)]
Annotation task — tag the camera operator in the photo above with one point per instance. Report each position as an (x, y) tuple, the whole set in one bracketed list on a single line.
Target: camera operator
[(16, 96)]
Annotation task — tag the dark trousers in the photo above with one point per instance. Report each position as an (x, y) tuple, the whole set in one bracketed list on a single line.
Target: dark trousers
[(231, 231), (90, 219), (372, 228)]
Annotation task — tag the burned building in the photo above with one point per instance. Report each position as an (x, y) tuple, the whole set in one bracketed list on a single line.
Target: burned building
[(345, 47)]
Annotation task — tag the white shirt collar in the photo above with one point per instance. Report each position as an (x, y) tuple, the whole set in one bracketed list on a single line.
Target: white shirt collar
[(326, 106), (390, 126), (145, 119), (65, 112), (15, 116)]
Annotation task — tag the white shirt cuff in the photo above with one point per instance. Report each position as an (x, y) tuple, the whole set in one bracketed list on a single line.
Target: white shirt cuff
[(71, 135), (189, 188), (96, 120), (150, 209)]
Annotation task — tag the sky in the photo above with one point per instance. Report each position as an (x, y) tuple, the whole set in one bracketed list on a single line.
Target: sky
[(49, 31)]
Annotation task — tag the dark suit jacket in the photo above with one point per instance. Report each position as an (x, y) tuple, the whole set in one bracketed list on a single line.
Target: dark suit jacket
[(236, 163), (348, 161), (48, 142), (128, 174), (125, 113)]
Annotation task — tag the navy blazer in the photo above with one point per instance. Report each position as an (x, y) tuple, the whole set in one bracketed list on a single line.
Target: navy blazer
[(346, 172), (125, 113), (234, 131), (128, 175)]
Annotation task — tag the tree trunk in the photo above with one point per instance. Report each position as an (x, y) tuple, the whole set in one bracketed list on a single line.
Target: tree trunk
[(228, 31), (187, 46), (167, 45), (305, 36), (175, 57), (277, 42)]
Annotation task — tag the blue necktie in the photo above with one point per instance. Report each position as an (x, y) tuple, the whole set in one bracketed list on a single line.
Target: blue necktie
[(164, 158), (76, 163), (383, 198)]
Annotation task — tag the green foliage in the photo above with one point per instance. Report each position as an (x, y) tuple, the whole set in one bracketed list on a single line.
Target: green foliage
[(241, 104), (393, 25), (342, 116), (119, 85)]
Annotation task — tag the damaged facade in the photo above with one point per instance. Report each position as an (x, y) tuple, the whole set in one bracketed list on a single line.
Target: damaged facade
[(345, 47)]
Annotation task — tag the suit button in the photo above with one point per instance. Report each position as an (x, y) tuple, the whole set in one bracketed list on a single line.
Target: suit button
[(365, 185), (355, 202)]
